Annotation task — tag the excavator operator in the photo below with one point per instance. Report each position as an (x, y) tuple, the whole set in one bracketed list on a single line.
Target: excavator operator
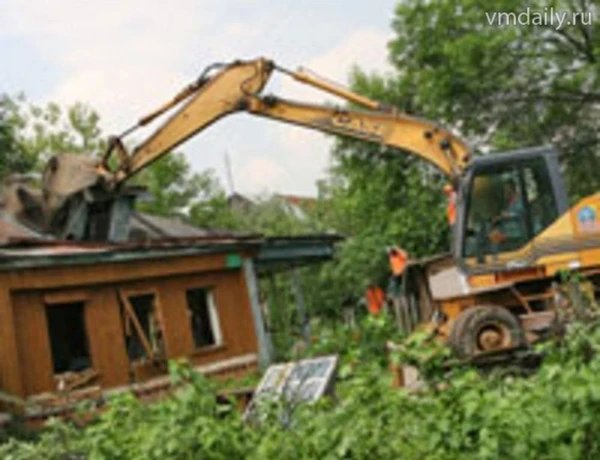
[(508, 224)]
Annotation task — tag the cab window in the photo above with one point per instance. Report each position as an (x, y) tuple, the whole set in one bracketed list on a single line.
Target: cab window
[(507, 206), (540, 198)]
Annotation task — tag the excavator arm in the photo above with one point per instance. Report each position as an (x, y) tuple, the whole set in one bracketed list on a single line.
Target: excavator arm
[(237, 87), (71, 183)]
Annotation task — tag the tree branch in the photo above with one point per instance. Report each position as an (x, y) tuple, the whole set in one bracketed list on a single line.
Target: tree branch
[(581, 47)]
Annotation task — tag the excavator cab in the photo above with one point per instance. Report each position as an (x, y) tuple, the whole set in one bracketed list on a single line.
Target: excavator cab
[(506, 200)]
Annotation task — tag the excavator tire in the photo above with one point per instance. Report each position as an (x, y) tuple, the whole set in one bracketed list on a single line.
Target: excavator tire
[(486, 328), (458, 328)]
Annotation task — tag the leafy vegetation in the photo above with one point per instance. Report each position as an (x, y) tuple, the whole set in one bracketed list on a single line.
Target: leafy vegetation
[(503, 87), (174, 190), (43, 131), (463, 413), (12, 158)]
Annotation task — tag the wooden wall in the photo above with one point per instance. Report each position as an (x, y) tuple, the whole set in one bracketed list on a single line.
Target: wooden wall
[(25, 354)]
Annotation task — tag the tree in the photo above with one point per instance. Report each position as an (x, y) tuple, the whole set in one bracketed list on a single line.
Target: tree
[(176, 191), (169, 181), (377, 197), (210, 208), (12, 157), (43, 131), (505, 87)]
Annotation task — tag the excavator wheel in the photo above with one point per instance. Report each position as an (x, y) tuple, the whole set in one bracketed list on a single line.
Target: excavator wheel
[(484, 329)]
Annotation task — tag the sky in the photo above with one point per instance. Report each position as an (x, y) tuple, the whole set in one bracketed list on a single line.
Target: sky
[(124, 58)]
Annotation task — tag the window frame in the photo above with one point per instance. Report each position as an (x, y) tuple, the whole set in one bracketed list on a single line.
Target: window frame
[(128, 293), (213, 316), (549, 156), (54, 300), (518, 166)]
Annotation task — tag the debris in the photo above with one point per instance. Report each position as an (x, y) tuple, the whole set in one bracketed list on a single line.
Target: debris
[(295, 382)]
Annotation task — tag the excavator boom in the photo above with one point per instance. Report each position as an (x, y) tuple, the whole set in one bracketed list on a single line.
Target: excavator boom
[(205, 102), (238, 87), (419, 137)]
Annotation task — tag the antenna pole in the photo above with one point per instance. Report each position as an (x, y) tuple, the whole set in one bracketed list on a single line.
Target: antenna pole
[(229, 172)]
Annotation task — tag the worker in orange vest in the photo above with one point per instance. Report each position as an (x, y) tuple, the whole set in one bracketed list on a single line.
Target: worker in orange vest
[(375, 299), (398, 259), (451, 204)]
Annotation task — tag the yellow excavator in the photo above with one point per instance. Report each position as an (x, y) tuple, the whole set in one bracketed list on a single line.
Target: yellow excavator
[(514, 231)]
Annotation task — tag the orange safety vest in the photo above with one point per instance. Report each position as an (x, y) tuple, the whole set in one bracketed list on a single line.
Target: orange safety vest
[(398, 259), (375, 299), (451, 208)]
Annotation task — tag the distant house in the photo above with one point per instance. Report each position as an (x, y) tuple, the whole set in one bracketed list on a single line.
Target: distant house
[(294, 205), (239, 202)]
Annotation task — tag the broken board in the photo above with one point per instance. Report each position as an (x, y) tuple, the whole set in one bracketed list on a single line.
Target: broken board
[(296, 381)]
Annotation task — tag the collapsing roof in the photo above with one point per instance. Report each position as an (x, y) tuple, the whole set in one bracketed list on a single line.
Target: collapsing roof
[(149, 236), (20, 221)]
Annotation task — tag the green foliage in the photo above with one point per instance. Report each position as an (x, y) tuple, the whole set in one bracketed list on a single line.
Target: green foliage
[(169, 186), (12, 156), (422, 351), (356, 346), (465, 414), (503, 86), (43, 131), (209, 207), (176, 191)]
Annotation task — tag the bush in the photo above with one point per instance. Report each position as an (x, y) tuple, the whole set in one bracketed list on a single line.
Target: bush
[(549, 415)]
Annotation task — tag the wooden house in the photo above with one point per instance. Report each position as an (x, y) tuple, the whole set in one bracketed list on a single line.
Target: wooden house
[(91, 319)]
